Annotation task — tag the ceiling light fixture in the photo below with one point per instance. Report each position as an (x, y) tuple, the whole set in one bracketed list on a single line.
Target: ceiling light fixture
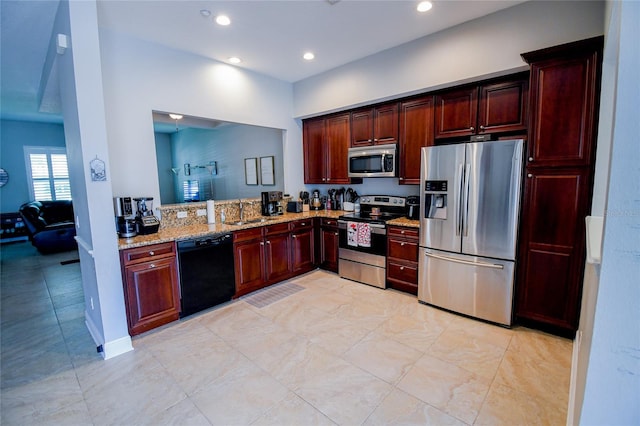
[(423, 6), (176, 117), (308, 56), (235, 60), (205, 13), (223, 20)]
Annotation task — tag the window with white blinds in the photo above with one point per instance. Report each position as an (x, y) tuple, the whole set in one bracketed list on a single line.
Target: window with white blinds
[(47, 173)]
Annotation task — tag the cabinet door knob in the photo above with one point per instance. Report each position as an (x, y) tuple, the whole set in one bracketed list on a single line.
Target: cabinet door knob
[(402, 244), (471, 128), (261, 243), (401, 178), (153, 265), (530, 158), (335, 233), (303, 224), (328, 179), (402, 268), (294, 236), (529, 175), (151, 253), (402, 232), (375, 140), (481, 127), (268, 242)]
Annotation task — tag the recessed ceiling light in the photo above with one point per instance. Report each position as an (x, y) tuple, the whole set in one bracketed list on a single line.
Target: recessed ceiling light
[(223, 20), (235, 60), (308, 56), (205, 13), (423, 6)]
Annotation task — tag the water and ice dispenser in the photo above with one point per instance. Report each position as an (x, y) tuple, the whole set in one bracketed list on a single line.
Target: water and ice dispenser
[(435, 199)]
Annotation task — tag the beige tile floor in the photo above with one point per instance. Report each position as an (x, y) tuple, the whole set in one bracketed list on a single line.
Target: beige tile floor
[(336, 352)]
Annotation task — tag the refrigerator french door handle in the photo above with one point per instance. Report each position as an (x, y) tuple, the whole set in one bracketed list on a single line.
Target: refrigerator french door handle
[(458, 213), (465, 214), (465, 262)]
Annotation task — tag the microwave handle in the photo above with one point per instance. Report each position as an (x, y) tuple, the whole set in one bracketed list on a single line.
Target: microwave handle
[(382, 158)]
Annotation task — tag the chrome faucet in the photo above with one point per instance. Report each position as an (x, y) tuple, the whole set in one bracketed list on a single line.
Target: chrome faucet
[(241, 210)]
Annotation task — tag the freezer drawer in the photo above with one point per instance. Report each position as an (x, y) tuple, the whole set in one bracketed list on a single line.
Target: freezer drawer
[(474, 286)]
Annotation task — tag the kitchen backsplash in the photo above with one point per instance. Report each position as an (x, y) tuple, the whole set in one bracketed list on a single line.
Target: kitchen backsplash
[(171, 215)]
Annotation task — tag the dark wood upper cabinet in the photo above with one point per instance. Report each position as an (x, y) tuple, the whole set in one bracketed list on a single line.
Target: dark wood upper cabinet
[(314, 150), (416, 131), (493, 107), (456, 113), (503, 107), (563, 92), (325, 145), (375, 125)]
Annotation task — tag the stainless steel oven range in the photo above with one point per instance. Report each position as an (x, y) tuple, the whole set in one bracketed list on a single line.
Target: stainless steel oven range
[(362, 254)]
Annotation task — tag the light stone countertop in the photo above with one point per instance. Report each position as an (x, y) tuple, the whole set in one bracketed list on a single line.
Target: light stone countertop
[(186, 232)]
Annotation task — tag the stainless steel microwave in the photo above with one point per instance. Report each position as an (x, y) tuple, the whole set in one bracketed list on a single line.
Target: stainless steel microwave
[(373, 161)]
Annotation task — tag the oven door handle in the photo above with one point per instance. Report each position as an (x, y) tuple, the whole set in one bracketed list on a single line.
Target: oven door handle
[(371, 225)]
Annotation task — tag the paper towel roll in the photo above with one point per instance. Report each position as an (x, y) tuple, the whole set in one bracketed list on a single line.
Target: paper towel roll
[(211, 212)]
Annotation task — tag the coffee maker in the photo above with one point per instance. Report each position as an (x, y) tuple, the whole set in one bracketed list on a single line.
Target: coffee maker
[(125, 220), (146, 222), (271, 203)]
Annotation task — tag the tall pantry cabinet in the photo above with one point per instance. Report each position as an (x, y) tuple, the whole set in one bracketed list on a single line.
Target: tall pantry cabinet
[(564, 100)]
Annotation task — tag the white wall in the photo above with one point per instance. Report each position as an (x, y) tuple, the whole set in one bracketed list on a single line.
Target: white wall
[(484, 47), (228, 145), (613, 375), (140, 77)]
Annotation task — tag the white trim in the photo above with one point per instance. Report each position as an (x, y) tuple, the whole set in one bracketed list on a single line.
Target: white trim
[(93, 329), (109, 349), (117, 347)]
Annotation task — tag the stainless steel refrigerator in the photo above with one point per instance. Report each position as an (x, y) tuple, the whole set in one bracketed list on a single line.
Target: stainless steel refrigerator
[(469, 209)]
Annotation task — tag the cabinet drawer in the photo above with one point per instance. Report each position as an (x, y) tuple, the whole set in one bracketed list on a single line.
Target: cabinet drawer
[(405, 232), (301, 224), (403, 249), (278, 228), (141, 254), (403, 272), (247, 234), (329, 222)]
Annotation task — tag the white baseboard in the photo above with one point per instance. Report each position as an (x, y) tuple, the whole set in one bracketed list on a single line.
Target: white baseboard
[(117, 347), (93, 329), (109, 349)]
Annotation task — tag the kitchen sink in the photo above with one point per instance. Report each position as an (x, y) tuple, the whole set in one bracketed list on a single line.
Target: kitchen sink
[(259, 220)]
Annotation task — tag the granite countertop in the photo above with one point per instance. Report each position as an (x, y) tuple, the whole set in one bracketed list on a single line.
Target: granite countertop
[(403, 221), (186, 232)]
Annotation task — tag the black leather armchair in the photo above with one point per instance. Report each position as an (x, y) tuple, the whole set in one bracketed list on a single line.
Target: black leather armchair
[(50, 224)]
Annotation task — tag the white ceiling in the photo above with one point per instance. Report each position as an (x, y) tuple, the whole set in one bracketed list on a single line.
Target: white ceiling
[(269, 36)]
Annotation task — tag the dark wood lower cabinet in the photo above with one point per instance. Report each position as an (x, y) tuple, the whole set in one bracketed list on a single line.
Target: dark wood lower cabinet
[(302, 247), (402, 258), (152, 295), (552, 250), (261, 257), (329, 244)]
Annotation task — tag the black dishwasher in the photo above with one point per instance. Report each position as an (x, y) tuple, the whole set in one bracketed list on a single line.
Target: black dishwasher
[(207, 275)]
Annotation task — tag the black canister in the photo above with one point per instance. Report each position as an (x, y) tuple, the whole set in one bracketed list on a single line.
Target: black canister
[(413, 207)]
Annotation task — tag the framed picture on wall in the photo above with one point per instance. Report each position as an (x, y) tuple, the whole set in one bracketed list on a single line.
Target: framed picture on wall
[(267, 176), (251, 171)]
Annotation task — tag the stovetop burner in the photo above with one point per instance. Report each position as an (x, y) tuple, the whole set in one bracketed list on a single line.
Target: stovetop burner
[(368, 217), (377, 209)]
